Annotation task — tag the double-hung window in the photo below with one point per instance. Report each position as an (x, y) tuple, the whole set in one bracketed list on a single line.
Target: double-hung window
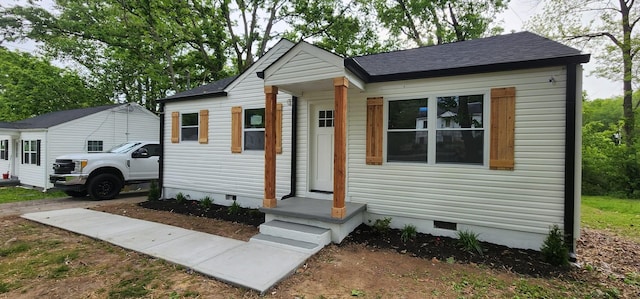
[(31, 152), (447, 129), (460, 129), (254, 129), (94, 146), (4, 149), (407, 133), (189, 127)]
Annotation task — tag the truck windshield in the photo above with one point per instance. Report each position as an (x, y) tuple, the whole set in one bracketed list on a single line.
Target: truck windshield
[(123, 148)]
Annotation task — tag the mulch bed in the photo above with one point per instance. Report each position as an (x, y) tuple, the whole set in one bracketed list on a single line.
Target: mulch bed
[(527, 262), (194, 208)]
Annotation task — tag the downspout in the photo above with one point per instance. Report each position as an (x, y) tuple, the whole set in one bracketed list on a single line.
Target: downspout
[(294, 146), (569, 160), (45, 161), (161, 158)]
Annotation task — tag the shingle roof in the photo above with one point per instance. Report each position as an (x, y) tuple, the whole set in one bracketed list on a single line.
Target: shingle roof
[(495, 53), (54, 118), (212, 89)]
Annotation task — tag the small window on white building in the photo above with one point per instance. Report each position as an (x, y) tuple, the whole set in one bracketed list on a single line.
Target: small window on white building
[(4, 149), (189, 128), (94, 146), (31, 152), (254, 129)]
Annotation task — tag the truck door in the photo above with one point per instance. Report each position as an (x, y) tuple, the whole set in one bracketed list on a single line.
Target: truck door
[(143, 164)]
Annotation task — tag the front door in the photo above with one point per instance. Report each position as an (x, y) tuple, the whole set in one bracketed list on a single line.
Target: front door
[(321, 141)]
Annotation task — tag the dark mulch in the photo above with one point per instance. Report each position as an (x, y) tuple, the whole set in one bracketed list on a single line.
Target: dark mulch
[(194, 208), (527, 262)]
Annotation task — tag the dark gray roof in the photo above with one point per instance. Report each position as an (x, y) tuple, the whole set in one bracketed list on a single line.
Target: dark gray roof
[(212, 89), (54, 118), (502, 52)]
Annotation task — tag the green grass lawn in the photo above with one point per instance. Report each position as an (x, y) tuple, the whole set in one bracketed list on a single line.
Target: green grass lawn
[(621, 216), (13, 194)]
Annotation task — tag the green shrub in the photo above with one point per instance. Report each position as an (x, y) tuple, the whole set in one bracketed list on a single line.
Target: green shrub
[(554, 250), (206, 202), (154, 191), (408, 232), (234, 209), (181, 198), (382, 225), (468, 241)]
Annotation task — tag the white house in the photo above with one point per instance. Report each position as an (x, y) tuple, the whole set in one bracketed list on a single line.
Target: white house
[(480, 135), (29, 147)]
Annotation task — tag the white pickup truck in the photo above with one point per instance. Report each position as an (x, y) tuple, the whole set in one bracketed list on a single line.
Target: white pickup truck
[(102, 175)]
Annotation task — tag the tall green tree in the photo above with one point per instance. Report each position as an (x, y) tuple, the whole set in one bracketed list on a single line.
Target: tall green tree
[(428, 22), (30, 86), (336, 26), (609, 29), (342, 27), (142, 50)]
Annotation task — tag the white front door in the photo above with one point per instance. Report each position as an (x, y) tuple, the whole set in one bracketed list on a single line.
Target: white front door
[(322, 116)]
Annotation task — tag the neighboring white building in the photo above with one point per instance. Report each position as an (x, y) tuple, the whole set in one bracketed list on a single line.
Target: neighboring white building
[(29, 147), (480, 135)]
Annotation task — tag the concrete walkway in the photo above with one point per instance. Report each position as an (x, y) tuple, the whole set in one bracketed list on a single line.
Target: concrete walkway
[(247, 264)]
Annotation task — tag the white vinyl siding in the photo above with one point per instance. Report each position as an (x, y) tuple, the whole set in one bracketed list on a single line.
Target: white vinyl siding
[(528, 199), (32, 174), (304, 66), (112, 127), (211, 168)]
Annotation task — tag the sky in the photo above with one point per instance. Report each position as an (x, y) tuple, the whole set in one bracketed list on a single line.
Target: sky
[(521, 11), (513, 18)]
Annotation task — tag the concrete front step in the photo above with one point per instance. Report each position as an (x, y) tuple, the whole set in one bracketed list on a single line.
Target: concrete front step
[(296, 231), (286, 243)]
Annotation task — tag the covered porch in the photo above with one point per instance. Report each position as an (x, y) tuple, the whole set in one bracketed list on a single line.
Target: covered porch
[(307, 69)]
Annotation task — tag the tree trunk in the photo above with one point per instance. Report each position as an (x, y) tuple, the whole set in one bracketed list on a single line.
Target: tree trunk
[(627, 60)]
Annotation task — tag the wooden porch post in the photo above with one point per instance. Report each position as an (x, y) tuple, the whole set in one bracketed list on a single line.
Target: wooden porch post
[(269, 200), (341, 85)]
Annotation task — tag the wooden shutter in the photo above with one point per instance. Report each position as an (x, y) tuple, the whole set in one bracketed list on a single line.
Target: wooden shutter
[(374, 131), (175, 127), (503, 111), (279, 128), (236, 129), (38, 152), (203, 130)]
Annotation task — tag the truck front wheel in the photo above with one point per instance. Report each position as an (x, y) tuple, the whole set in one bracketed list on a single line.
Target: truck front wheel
[(104, 186)]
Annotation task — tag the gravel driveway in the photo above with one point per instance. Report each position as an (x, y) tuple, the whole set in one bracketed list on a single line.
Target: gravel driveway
[(19, 208)]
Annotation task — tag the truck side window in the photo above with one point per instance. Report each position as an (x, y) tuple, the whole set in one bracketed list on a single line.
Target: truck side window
[(152, 149)]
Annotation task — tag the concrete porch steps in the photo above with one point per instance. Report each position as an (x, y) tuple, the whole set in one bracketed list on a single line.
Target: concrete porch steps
[(293, 236)]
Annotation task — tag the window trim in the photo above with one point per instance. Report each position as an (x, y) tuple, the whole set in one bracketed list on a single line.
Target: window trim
[(196, 126), (244, 129), (432, 123)]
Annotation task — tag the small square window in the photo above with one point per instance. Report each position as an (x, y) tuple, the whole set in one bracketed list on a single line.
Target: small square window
[(94, 146), (325, 118)]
